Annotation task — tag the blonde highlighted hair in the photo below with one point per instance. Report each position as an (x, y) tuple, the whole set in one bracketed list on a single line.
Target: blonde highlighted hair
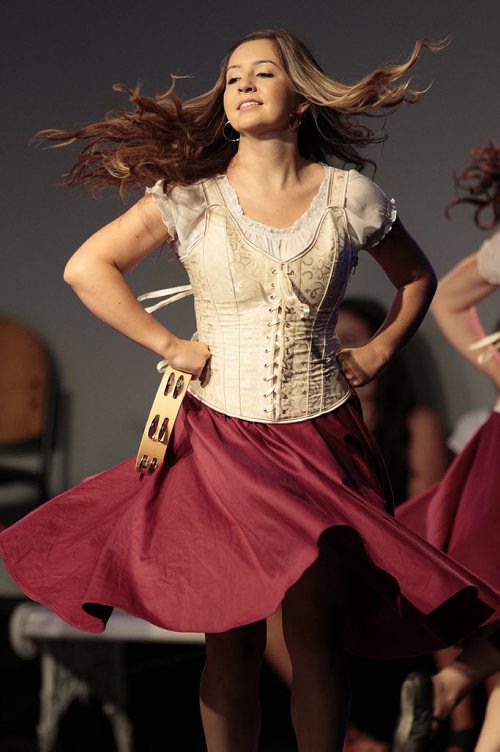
[(183, 142)]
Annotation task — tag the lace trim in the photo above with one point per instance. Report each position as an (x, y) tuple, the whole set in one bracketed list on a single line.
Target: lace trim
[(311, 215)]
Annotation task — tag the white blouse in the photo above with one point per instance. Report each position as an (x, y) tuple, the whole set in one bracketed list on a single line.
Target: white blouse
[(488, 264), (488, 259), (370, 215)]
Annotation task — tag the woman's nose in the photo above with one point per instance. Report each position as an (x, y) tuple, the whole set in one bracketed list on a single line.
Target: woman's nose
[(246, 85)]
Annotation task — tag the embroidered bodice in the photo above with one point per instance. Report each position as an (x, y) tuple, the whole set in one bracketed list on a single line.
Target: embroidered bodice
[(266, 300)]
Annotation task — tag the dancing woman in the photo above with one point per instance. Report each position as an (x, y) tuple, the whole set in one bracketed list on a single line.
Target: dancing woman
[(461, 515), (273, 491)]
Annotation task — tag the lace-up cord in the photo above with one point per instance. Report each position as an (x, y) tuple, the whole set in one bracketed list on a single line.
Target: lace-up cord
[(172, 295), (492, 342)]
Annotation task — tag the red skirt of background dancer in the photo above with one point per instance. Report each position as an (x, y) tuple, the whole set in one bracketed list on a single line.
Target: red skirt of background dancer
[(218, 535), (461, 514)]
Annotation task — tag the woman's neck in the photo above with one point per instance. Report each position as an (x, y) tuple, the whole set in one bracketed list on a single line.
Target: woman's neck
[(272, 163)]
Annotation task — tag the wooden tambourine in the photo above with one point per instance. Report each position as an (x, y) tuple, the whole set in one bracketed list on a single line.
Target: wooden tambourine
[(161, 419)]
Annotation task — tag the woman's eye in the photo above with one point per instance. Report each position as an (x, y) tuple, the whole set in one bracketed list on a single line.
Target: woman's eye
[(265, 75), (231, 81)]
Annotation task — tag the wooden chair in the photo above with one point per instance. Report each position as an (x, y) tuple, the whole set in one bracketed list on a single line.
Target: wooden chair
[(27, 409)]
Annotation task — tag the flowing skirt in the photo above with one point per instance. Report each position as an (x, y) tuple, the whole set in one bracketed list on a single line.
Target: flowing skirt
[(461, 514), (216, 537)]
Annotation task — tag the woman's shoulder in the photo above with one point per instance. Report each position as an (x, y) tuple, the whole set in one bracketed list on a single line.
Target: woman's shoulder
[(370, 212), (182, 208), (362, 191), (488, 259)]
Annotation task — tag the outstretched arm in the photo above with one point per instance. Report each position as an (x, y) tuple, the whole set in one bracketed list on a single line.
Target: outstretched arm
[(96, 273), (454, 309), (411, 273)]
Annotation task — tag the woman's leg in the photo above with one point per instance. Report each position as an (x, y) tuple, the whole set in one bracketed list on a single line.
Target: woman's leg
[(478, 660), (462, 716), (423, 701), (312, 611), (277, 654), (489, 738), (229, 693)]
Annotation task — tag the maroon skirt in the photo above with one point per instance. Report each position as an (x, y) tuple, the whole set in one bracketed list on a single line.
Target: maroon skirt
[(215, 538), (461, 513)]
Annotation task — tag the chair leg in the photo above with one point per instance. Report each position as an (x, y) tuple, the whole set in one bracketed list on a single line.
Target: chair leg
[(59, 687), (122, 728), (76, 671)]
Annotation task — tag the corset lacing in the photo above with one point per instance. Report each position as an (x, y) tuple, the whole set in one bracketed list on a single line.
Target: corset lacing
[(283, 300)]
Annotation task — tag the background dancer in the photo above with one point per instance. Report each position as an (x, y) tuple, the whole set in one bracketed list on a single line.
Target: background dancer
[(462, 514), (274, 491)]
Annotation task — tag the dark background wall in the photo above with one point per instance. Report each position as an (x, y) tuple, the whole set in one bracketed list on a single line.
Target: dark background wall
[(58, 63)]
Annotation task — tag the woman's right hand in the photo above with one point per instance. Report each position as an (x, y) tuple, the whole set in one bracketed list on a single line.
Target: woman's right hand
[(188, 356)]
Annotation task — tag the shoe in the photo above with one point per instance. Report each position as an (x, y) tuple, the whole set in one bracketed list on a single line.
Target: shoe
[(415, 726)]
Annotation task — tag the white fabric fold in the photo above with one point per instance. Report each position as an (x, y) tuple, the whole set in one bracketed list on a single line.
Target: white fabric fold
[(370, 215)]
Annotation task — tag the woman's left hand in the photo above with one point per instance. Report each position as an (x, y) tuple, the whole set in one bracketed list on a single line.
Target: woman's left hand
[(361, 364)]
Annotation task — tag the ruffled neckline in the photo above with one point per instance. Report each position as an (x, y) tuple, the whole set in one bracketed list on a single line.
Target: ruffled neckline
[(315, 209)]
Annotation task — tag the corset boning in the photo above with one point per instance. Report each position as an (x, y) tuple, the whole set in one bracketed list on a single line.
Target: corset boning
[(269, 324)]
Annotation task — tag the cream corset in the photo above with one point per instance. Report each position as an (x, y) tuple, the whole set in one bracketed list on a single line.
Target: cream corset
[(270, 323)]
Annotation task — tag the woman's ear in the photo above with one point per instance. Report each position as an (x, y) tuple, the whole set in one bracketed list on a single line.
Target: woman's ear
[(302, 106)]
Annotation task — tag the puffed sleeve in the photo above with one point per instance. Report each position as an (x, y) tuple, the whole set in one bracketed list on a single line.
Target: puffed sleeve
[(163, 204), (488, 259), (183, 212), (370, 214)]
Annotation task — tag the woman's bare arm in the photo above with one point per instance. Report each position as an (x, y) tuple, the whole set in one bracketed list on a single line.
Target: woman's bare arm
[(411, 273), (96, 273), (454, 309)]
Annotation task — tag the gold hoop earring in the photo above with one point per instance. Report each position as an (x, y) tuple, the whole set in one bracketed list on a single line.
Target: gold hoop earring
[(294, 122), (232, 140)]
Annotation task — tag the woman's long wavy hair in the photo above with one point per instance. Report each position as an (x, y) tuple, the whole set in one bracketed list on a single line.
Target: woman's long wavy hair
[(480, 182), (183, 142)]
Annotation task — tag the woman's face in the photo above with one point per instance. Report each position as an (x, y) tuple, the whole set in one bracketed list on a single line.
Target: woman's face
[(259, 96)]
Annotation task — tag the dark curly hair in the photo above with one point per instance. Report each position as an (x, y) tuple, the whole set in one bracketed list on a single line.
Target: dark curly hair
[(480, 182)]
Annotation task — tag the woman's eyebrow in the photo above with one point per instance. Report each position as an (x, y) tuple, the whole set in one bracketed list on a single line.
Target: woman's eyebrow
[(255, 62)]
